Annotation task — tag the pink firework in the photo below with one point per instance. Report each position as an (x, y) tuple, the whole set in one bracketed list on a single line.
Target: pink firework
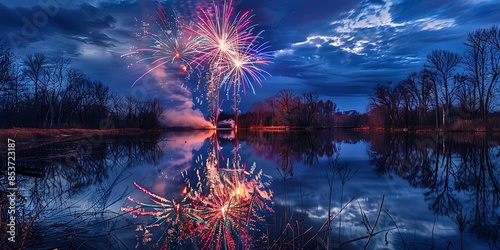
[(221, 35), (230, 50), (244, 67), (173, 43)]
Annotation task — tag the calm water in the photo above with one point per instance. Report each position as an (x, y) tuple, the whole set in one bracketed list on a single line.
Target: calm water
[(200, 189)]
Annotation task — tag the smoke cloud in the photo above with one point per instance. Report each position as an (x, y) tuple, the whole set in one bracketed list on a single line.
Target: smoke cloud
[(180, 111)]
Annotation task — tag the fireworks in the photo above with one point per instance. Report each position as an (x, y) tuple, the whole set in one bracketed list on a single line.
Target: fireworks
[(220, 45), (244, 67), (222, 35), (225, 205), (173, 43), (230, 47), (231, 51)]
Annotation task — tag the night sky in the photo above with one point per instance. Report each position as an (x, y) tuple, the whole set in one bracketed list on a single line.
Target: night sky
[(339, 49)]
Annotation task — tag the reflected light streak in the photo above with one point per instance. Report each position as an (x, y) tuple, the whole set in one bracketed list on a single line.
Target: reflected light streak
[(224, 206)]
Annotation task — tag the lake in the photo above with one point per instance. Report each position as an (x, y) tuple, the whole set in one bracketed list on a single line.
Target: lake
[(336, 189)]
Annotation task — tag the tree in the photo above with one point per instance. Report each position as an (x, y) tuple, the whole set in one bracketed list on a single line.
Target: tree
[(483, 62), (467, 95), (258, 112), (6, 67), (442, 63), (420, 89), (150, 113), (388, 100), (406, 101), (285, 101), (8, 87), (307, 109), (273, 104), (78, 87), (56, 90), (34, 65)]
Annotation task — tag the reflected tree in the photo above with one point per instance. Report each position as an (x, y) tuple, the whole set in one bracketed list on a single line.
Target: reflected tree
[(56, 212), (459, 174)]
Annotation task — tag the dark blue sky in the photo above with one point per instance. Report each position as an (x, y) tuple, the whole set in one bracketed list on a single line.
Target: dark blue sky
[(339, 49)]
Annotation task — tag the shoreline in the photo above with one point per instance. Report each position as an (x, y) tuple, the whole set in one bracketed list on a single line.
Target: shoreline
[(40, 133), (369, 129), (25, 134)]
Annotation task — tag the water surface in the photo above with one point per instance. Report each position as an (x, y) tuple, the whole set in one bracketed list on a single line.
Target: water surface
[(185, 190)]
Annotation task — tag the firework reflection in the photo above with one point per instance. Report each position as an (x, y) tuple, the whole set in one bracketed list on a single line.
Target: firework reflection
[(224, 206)]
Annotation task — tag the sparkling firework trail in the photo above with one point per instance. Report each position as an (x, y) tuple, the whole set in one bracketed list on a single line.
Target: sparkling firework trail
[(221, 35), (172, 44), (230, 51), (244, 67), (221, 46)]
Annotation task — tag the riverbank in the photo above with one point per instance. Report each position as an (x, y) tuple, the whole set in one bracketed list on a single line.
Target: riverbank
[(414, 130), (26, 134)]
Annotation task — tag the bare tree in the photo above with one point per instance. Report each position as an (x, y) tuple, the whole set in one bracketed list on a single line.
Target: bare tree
[(387, 99), (272, 103), (6, 64), (9, 87), (77, 88), (407, 102), (467, 95), (33, 70), (258, 110), (483, 61), (285, 100), (443, 63), (327, 114), (420, 87), (308, 109), (56, 90)]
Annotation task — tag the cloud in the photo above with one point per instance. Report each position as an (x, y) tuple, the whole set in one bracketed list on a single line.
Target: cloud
[(370, 28), (96, 38), (430, 23)]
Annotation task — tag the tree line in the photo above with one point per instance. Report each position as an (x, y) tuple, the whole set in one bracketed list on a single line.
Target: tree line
[(287, 108), (452, 91), (42, 92)]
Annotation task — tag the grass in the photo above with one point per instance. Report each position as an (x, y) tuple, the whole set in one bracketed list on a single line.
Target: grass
[(291, 233)]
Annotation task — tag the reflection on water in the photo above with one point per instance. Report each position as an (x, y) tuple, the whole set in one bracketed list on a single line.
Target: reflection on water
[(259, 190), (223, 207), (459, 174)]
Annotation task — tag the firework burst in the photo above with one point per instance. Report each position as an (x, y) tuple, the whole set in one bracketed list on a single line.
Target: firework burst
[(228, 202), (220, 46), (244, 67), (173, 43), (231, 52), (221, 35)]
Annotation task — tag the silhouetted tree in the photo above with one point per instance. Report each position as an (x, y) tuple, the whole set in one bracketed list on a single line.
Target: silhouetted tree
[(307, 109), (35, 70), (49, 93), (285, 99), (483, 61), (442, 63), (388, 100), (419, 86)]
